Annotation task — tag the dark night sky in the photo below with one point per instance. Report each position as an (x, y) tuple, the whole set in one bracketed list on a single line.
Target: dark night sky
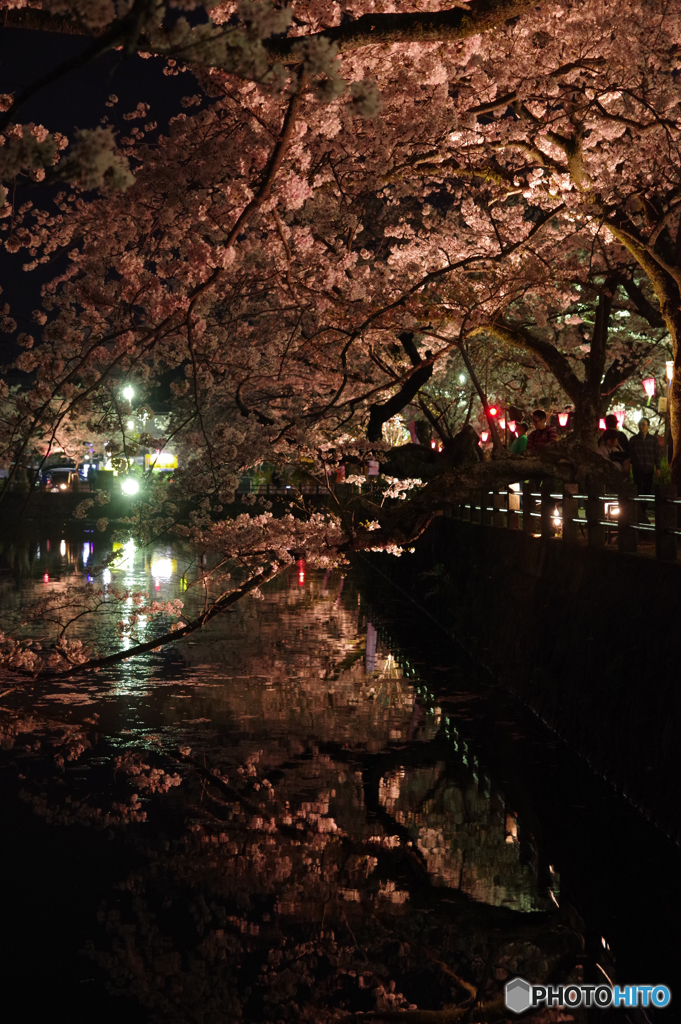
[(75, 101)]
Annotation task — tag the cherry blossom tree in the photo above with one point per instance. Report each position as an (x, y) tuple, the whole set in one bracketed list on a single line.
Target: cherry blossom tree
[(351, 197)]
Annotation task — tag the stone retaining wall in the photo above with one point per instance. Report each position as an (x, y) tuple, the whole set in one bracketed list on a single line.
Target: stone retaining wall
[(589, 638)]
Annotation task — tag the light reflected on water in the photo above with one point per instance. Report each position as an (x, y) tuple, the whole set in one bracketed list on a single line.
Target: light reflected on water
[(332, 829)]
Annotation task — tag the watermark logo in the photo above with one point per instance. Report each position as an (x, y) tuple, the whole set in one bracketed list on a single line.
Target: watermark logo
[(521, 995)]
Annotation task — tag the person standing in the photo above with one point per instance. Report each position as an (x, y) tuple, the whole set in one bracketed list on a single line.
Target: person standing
[(542, 433), (645, 457), (622, 439), (610, 448)]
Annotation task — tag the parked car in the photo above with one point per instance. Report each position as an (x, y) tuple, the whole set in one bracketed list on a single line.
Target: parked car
[(61, 478)]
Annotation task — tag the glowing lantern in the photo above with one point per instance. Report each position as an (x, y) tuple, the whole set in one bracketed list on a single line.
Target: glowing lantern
[(484, 436), (670, 368), (46, 578), (563, 418), (649, 386), (601, 424), (512, 426), (502, 424), (620, 414), (433, 444), (301, 572), (492, 411)]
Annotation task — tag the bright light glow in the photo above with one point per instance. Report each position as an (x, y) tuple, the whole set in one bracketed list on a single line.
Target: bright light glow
[(512, 426), (601, 424), (162, 568), (86, 552), (462, 378), (433, 444), (130, 485), (611, 509), (484, 436), (128, 392), (62, 487), (563, 418), (637, 416), (131, 424), (160, 460), (502, 424), (557, 519), (670, 368), (46, 578), (649, 386), (492, 411), (62, 548), (620, 414), (301, 572)]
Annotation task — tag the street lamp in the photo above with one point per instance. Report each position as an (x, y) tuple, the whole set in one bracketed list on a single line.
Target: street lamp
[(128, 392), (130, 486)]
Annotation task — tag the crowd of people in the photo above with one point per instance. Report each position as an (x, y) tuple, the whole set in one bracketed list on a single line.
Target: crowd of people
[(640, 454)]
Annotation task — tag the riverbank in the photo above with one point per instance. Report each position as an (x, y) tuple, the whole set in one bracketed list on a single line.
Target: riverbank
[(586, 637)]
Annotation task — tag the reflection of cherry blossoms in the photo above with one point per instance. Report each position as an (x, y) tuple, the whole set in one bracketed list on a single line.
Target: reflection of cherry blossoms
[(299, 831)]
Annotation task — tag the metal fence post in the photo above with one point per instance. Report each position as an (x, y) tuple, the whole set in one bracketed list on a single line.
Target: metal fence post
[(547, 527), (528, 507), (513, 518), (665, 522), (499, 506), (485, 513), (594, 514), (570, 514), (627, 519)]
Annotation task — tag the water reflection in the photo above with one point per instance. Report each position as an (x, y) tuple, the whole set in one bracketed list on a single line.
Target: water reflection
[(317, 836)]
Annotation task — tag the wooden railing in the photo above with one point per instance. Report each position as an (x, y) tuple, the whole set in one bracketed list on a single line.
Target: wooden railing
[(631, 523)]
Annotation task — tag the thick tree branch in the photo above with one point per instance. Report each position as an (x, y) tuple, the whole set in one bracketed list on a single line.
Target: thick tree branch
[(380, 413), (412, 27), (554, 361)]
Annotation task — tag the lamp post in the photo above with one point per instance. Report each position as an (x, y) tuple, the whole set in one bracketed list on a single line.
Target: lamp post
[(669, 367)]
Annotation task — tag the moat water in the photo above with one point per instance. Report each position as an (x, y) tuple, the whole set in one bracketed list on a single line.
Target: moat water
[(315, 809)]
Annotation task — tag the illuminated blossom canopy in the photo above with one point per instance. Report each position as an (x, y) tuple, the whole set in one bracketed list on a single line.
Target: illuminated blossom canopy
[(355, 197)]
